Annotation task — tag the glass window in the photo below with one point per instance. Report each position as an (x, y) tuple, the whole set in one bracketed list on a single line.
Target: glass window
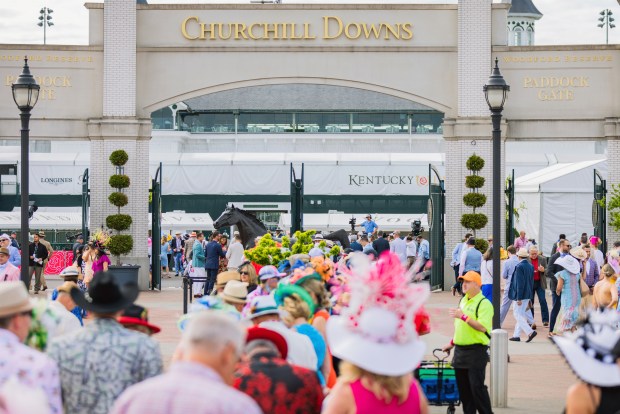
[(265, 122), (162, 118), (373, 122)]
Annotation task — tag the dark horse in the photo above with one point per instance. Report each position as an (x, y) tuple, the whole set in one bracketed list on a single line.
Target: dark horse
[(340, 236), (249, 226)]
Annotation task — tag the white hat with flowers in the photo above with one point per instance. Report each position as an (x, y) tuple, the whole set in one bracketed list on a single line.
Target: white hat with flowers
[(377, 331)]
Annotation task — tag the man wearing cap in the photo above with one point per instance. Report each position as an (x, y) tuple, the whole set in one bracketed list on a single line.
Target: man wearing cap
[(8, 272), (14, 257), (48, 246), (369, 225), (521, 293), (472, 323), (103, 359), (14, 241), (264, 312), (177, 244), (38, 255), (264, 371), (201, 374), (136, 318), (18, 361), (268, 276)]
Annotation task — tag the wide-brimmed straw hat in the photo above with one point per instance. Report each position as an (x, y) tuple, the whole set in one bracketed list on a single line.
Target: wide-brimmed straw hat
[(592, 350), (522, 253), (14, 298), (106, 294), (235, 291), (578, 253), (137, 315), (377, 331), (569, 263)]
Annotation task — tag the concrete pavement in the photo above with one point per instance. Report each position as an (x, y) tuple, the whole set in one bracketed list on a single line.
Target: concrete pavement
[(538, 377)]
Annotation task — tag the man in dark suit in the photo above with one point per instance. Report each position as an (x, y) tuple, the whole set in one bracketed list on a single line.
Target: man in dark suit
[(552, 269), (177, 244), (521, 293), (213, 252), (37, 255), (540, 283), (381, 244)]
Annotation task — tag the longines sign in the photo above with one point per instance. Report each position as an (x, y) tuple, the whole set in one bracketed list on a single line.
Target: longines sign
[(333, 27)]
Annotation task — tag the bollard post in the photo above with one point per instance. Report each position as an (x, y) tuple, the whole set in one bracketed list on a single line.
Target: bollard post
[(499, 368), (185, 292)]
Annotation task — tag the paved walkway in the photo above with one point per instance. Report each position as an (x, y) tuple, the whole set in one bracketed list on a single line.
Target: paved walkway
[(538, 377)]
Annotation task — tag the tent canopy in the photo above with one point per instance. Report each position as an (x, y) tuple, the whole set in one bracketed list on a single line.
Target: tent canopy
[(557, 200), (71, 220), (336, 221)]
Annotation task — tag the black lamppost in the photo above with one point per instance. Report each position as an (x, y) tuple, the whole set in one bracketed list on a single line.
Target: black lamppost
[(25, 95), (495, 92)]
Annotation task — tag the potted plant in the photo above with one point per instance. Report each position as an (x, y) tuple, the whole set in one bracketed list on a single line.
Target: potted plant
[(120, 244)]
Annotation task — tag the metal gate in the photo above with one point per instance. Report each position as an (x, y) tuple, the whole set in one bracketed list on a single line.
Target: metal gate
[(435, 211), (510, 209), (85, 205), (599, 212), (156, 230)]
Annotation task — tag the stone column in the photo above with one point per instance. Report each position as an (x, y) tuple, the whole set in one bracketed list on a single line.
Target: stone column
[(120, 129), (470, 132), (612, 134)]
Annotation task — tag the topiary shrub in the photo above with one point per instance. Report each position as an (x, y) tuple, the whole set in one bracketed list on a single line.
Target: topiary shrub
[(119, 158), (474, 199), (119, 244), (482, 245), (118, 199), (118, 222), (119, 181)]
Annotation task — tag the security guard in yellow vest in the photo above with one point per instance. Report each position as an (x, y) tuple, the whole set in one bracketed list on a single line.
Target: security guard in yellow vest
[(472, 324)]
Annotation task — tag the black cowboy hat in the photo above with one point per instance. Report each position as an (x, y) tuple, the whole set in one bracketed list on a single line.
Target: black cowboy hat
[(106, 294)]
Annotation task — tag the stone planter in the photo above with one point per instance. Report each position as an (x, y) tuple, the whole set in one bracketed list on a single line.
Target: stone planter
[(125, 274)]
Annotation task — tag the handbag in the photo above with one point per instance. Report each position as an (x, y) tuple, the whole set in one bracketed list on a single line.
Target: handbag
[(583, 287)]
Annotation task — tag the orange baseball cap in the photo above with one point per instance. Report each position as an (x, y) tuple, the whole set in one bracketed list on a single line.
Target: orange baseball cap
[(472, 276)]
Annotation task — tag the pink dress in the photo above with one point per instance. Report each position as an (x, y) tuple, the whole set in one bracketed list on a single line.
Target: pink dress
[(98, 263), (367, 403)]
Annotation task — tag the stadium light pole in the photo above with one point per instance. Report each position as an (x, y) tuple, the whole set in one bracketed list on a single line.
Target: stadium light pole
[(45, 21), (25, 94)]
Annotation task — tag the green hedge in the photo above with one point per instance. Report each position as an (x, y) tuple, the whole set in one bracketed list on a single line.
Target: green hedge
[(118, 199), (118, 222), (474, 181), (119, 181), (475, 200), (119, 157), (474, 221), (120, 244)]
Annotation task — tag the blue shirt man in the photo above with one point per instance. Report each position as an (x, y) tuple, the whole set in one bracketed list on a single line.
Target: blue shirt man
[(369, 225), (424, 250), (471, 258)]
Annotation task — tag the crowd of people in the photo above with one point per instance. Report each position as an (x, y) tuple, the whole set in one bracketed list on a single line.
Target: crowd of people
[(314, 334)]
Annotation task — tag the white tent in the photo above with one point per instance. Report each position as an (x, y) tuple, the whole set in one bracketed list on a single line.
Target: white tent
[(71, 220), (557, 199), (336, 221)]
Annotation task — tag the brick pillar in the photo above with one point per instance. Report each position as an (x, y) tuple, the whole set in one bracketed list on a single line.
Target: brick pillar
[(120, 129), (612, 133), (470, 132)]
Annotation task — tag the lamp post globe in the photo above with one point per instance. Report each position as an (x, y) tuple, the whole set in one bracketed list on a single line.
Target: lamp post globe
[(25, 89), (495, 93), (25, 94)]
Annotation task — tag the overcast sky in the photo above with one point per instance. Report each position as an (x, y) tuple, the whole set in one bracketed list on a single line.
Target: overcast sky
[(564, 21)]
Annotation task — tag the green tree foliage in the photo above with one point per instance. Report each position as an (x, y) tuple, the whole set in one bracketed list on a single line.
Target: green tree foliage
[(119, 158)]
